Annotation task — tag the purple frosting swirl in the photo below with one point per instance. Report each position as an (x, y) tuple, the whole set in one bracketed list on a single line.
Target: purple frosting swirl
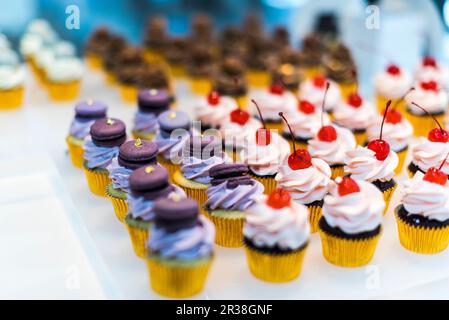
[(119, 176), (171, 147), (98, 157), (198, 169), (140, 208), (240, 198), (80, 129), (147, 122), (184, 244)]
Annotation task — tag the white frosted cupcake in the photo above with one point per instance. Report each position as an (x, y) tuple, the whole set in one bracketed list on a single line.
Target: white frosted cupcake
[(313, 91), (213, 110), (429, 69), (63, 77)]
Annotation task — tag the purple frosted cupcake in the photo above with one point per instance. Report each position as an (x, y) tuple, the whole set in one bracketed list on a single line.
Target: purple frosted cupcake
[(132, 155), (106, 137), (86, 112), (151, 103), (231, 192), (147, 184)]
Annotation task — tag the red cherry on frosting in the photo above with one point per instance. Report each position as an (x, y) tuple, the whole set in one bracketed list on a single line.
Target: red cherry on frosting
[(435, 175), (429, 85), (300, 159), (429, 62), (213, 98), (438, 135), (327, 134), (263, 137), (393, 116), (279, 199), (239, 116), (319, 81), (277, 89), (394, 70), (347, 186), (306, 107), (381, 148), (355, 100)]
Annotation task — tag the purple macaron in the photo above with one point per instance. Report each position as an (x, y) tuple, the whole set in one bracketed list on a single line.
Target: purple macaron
[(153, 101), (203, 147), (134, 154), (171, 120), (90, 110), (150, 182), (176, 214), (234, 174), (108, 132)]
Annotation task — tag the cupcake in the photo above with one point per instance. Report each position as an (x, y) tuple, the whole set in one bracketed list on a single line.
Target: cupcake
[(264, 152), (151, 103), (175, 54), (86, 113), (272, 101), (230, 79), (180, 248), (288, 70), (106, 137), (95, 47), (392, 84), (423, 213), (112, 50), (147, 184), (200, 155), (313, 90), (276, 235), (232, 42), (374, 163), (154, 76), (200, 68), (129, 61), (435, 100), (132, 155), (155, 39), (260, 59), (12, 78), (63, 77), (213, 110), (311, 55), (397, 132), (231, 192), (355, 114), (351, 224), (174, 131), (237, 127), (429, 69)]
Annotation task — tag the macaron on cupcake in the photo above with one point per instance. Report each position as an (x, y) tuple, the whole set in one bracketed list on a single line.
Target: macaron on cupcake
[(213, 110), (264, 152), (86, 113), (355, 114), (393, 83), (423, 213), (132, 155), (174, 130), (200, 155), (272, 101), (276, 235), (313, 90), (351, 223), (151, 103), (180, 248), (435, 100), (103, 144), (147, 184), (375, 163), (231, 192)]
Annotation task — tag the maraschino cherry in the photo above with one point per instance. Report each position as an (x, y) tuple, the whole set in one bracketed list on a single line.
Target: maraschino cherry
[(394, 70), (300, 158), (435, 175), (319, 81), (394, 116), (429, 61), (263, 135), (437, 134), (429, 85), (355, 100), (379, 146), (306, 107), (279, 198), (326, 133), (238, 115), (213, 98), (347, 185), (277, 88)]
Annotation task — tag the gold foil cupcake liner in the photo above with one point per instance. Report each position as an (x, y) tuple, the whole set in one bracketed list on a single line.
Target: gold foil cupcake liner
[(348, 253), (228, 231), (311, 72), (275, 126), (11, 99), (200, 85), (94, 61), (381, 103), (198, 194), (299, 144), (337, 171), (423, 124), (120, 206), (421, 239), (347, 88), (139, 238), (177, 281), (167, 164), (388, 194), (62, 92), (76, 153), (401, 160), (315, 213), (258, 78), (97, 181), (268, 182), (275, 267), (360, 137), (128, 94)]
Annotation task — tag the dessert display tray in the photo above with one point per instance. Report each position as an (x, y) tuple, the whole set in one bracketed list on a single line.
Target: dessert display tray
[(77, 225)]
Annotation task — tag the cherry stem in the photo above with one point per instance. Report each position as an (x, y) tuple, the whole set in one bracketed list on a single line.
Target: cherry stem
[(383, 119), (281, 114), (444, 161), (402, 98), (428, 113), (324, 103), (260, 113)]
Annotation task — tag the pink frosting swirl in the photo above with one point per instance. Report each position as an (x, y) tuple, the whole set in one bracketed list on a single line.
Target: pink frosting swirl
[(308, 91), (433, 101), (397, 135), (362, 164), (265, 160), (305, 126), (347, 116), (235, 134), (439, 74), (427, 154), (427, 199), (306, 185), (271, 104), (355, 212), (333, 152), (392, 86), (286, 228), (214, 115)]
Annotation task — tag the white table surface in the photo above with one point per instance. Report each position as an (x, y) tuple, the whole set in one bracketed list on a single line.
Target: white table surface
[(37, 131)]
